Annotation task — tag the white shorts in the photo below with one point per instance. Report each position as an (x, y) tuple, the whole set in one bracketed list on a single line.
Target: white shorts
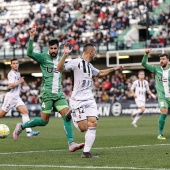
[(140, 102), (82, 109), (10, 102)]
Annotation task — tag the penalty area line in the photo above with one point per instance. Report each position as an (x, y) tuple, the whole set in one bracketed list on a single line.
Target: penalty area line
[(80, 167), (101, 148)]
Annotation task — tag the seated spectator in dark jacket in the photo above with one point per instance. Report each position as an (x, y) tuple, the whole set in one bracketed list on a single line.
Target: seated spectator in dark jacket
[(153, 43), (121, 45)]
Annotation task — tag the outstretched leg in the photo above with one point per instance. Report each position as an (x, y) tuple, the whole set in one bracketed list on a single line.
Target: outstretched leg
[(43, 121)]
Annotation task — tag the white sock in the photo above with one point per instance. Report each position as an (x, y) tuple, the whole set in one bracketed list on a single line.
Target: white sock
[(137, 112), (89, 138), (25, 118), (136, 118)]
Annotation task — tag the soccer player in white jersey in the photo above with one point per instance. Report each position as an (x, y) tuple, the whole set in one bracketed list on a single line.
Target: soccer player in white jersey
[(139, 89), (12, 98), (84, 109)]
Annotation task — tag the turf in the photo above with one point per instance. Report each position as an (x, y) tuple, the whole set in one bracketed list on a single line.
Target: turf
[(118, 145)]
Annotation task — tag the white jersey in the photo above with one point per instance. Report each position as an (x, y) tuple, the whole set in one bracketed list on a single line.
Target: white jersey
[(13, 77), (82, 82), (140, 87)]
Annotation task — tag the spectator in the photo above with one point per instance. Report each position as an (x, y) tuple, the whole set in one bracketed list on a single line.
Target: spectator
[(121, 45)]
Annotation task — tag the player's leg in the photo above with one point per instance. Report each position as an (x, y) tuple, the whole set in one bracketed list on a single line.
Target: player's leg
[(161, 122), (2, 113), (25, 118), (81, 123), (138, 111), (138, 116), (134, 113), (46, 107), (86, 118), (62, 106), (90, 136), (68, 115), (67, 125), (9, 103)]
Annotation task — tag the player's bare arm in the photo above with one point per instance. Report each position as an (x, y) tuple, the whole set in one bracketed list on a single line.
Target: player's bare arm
[(67, 51), (13, 85), (107, 71), (152, 95), (133, 93)]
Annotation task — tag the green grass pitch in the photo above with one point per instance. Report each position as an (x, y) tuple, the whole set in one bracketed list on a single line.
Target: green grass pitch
[(118, 145)]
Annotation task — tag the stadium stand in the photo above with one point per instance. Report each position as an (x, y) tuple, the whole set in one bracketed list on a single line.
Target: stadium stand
[(110, 24), (107, 23)]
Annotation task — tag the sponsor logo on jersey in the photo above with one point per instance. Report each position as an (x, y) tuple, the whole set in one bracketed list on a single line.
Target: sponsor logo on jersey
[(51, 70), (163, 79)]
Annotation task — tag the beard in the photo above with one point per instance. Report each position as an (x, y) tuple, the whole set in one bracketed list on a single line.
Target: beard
[(163, 65), (53, 54)]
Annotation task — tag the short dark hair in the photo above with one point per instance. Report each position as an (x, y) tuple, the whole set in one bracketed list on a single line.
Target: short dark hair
[(53, 42), (164, 55), (140, 71), (86, 46), (14, 59)]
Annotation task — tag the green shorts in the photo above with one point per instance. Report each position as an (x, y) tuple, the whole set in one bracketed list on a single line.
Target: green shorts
[(164, 103), (50, 102)]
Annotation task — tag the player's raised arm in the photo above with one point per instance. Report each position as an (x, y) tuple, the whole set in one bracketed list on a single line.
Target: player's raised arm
[(145, 61), (30, 53), (32, 33), (67, 51), (107, 71)]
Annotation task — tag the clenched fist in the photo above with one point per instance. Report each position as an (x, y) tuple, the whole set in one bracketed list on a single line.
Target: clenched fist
[(147, 51)]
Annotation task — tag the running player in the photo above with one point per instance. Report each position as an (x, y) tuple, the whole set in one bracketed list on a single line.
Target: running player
[(139, 89), (12, 98), (84, 108), (51, 95), (162, 77)]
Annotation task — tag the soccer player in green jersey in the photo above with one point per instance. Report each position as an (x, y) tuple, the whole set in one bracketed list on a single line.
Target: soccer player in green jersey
[(162, 77), (51, 92)]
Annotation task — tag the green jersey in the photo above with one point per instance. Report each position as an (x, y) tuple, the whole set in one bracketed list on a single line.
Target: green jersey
[(51, 77), (162, 78)]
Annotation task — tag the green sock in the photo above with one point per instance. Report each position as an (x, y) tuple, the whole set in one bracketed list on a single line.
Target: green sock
[(68, 129), (34, 122), (161, 123)]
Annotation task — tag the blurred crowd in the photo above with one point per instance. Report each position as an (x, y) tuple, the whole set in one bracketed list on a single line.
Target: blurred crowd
[(108, 89), (94, 21)]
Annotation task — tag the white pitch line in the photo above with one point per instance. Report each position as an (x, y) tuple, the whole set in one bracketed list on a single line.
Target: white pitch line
[(59, 150), (135, 146), (8, 153), (80, 167)]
